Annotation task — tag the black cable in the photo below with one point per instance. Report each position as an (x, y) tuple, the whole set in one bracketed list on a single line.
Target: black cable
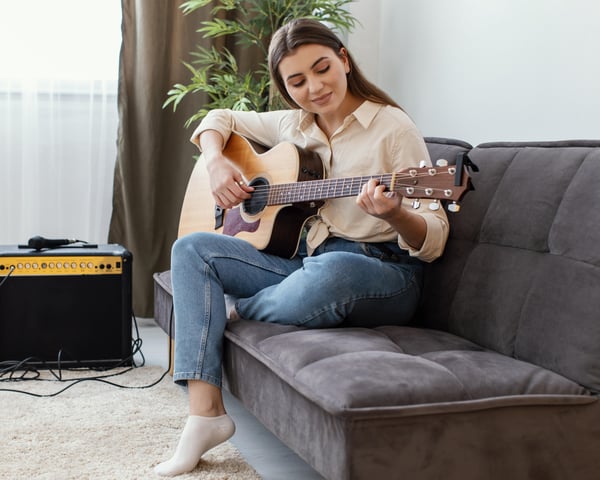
[(12, 269), (25, 369), (31, 364)]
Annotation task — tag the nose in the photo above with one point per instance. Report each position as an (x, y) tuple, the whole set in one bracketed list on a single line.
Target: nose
[(314, 84)]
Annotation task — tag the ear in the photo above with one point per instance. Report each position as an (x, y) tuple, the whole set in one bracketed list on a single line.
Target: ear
[(343, 54)]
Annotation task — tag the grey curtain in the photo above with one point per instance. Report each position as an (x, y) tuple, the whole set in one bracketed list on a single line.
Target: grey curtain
[(154, 155)]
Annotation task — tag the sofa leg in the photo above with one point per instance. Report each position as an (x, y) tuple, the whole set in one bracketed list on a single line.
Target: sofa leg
[(171, 346)]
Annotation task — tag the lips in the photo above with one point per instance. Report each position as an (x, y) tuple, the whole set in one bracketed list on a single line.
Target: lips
[(323, 99)]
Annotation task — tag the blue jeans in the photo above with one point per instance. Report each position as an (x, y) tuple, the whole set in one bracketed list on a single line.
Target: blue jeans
[(343, 282)]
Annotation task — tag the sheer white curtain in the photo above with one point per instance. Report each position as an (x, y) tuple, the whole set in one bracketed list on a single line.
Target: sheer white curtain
[(58, 117)]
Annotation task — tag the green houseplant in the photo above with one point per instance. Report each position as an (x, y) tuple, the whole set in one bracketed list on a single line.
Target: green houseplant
[(246, 25)]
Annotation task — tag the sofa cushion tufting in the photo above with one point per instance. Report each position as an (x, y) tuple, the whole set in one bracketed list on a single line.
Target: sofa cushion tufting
[(395, 366), (520, 274)]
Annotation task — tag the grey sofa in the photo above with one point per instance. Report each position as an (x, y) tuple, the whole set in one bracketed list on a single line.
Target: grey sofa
[(498, 377)]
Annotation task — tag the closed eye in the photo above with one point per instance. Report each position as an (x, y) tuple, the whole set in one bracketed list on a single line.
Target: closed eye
[(320, 67)]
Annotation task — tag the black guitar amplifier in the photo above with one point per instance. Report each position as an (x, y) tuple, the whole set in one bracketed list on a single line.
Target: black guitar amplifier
[(66, 306)]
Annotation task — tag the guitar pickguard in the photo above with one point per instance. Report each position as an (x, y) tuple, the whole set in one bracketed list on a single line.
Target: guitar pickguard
[(234, 224)]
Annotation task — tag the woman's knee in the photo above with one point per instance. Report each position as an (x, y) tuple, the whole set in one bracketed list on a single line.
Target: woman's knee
[(183, 243), (190, 246)]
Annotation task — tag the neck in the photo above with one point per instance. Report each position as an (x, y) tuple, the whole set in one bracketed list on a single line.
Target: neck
[(329, 123)]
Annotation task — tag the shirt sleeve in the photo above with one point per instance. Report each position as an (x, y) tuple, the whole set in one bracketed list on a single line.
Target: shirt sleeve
[(262, 127), (435, 239)]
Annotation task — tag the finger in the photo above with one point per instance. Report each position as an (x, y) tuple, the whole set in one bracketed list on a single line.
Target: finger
[(242, 185), (372, 190), (381, 191), (228, 196), (363, 195), (370, 186)]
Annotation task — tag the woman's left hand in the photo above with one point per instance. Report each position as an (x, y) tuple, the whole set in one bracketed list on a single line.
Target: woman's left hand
[(376, 200)]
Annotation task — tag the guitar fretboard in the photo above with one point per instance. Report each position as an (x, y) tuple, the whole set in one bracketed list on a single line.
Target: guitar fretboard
[(315, 190)]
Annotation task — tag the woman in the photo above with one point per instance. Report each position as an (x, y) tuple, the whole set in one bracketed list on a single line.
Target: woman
[(362, 256)]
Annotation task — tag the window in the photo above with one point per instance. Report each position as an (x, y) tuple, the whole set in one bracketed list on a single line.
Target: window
[(58, 117)]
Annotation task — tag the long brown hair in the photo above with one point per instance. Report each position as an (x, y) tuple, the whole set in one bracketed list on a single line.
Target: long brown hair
[(305, 31)]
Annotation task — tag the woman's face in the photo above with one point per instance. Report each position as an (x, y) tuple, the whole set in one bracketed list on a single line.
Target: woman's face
[(315, 78)]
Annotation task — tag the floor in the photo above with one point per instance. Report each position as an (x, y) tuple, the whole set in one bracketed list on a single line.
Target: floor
[(261, 449)]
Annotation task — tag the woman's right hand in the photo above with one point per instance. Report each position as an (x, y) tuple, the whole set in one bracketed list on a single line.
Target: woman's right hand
[(227, 185)]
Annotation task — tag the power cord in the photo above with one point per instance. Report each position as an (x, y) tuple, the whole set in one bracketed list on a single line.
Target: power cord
[(12, 269), (24, 370)]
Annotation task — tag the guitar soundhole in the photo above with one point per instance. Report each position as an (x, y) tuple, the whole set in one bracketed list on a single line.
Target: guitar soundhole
[(260, 196)]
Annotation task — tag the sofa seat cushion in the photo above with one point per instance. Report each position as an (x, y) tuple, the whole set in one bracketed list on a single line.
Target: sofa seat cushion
[(352, 369)]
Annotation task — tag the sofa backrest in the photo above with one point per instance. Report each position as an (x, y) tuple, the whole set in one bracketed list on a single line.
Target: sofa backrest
[(521, 270)]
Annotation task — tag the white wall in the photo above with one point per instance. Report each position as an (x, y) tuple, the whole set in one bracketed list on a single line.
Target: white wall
[(486, 70)]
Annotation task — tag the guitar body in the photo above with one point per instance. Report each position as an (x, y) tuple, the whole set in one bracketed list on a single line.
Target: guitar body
[(273, 228)]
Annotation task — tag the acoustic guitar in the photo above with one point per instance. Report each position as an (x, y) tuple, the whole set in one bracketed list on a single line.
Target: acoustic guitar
[(289, 188)]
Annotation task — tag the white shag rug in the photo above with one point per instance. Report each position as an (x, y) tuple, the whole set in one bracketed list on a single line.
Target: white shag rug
[(94, 430)]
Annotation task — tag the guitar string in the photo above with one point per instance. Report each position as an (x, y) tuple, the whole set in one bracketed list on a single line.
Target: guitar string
[(262, 192), (351, 180), (277, 192)]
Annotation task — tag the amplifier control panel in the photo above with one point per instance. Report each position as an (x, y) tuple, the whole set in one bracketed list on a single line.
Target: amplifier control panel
[(60, 265)]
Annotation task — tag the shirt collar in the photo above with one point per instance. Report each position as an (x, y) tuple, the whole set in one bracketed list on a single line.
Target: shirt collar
[(364, 114), (307, 119)]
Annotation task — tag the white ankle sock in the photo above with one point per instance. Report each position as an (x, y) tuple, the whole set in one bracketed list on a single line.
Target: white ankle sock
[(199, 435)]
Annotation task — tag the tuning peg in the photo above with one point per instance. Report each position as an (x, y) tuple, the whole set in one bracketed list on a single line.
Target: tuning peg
[(442, 162), (416, 203), (435, 205), (454, 207), (422, 164)]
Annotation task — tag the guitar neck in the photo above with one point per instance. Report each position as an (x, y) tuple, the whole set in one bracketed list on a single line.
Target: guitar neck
[(442, 183), (315, 190)]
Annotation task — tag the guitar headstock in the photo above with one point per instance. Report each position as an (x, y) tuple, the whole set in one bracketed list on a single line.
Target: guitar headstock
[(441, 182)]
